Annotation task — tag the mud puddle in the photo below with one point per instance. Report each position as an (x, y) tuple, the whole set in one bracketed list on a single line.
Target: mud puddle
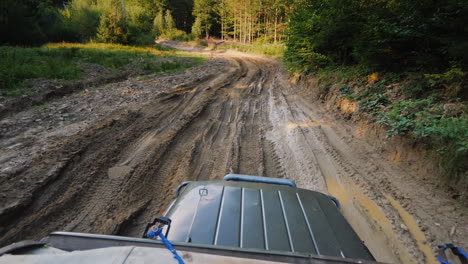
[(372, 225)]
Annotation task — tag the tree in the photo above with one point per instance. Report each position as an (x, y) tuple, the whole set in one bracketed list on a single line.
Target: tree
[(170, 24), (80, 20), (205, 12), (159, 24), (197, 30), (389, 35), (182, 11), (113, 26), (28, 22)]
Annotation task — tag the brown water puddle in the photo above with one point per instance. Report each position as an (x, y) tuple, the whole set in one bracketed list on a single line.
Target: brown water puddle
[(414, 229), (372, 226)]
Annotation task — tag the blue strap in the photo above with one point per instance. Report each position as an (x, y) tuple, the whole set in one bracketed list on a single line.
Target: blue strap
[(462, 255), (443, 261), (154, 231), (462, 252)]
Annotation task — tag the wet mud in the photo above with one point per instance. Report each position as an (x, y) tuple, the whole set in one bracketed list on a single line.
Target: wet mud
[(118, 172)]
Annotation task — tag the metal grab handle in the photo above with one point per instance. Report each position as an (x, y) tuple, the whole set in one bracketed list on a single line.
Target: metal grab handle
[(259, 179), (182, 185), (334, 200)]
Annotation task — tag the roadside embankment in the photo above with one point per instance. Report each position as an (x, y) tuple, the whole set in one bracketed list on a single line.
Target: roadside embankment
[(425, 132)]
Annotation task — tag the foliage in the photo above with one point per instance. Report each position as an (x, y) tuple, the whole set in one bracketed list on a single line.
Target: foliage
[(419, 44), (245, 21), (452, 81), (113, 27), (182, 11), (28, 22), (80, 20), (197, 29), (139, 21), (374, 103), (447, 135), (409, 104), (381, 35), (164, 27), (403, 116), (37, 22), (415, 86), (205, 16), (140, 25), (170, 23), (159, 24), (18, 64), (62, 61)]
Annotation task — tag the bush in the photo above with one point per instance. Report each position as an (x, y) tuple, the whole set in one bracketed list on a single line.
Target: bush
[(424, 120), (415, 86), (80, 21), (451, 81)]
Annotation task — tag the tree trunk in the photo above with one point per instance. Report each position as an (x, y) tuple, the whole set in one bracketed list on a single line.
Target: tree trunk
[(276, 24), (123, 9)]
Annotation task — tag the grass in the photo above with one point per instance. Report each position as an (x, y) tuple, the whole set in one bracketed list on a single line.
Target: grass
[(62, 61), (272, 50), (268, 49)]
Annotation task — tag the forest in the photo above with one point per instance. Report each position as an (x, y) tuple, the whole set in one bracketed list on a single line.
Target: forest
[(391, 35), (421, 45), (140, 21)]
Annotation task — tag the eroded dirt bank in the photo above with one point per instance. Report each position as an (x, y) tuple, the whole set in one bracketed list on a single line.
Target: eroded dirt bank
[(112, 168)]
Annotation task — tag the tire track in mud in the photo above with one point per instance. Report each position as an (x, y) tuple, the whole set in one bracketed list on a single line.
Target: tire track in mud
[(91, 189), (338, 174), (125, 170), (120, 174), (300, 132)]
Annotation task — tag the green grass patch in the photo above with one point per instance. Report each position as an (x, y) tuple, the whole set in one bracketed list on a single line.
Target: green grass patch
[(267, 49), (61, 61)]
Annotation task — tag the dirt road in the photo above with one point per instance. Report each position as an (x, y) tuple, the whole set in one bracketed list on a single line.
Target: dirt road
[(112, 172)]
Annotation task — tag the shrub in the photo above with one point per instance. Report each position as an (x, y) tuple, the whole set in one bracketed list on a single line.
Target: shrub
[(80, 20), (197, 30), (451, 81)]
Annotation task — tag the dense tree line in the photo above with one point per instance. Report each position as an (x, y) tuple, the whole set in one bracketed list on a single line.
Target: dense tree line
[(28, 21), (391, 35), (385, 34), (241, 20), (32, 22)]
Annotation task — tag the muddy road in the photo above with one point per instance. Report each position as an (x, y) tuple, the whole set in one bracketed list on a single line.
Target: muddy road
[(114, 171)]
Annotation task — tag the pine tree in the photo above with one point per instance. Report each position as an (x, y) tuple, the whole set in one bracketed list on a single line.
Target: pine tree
[(113, 27), (197, 30), (159, 24), (204, 11), (170, 24)]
